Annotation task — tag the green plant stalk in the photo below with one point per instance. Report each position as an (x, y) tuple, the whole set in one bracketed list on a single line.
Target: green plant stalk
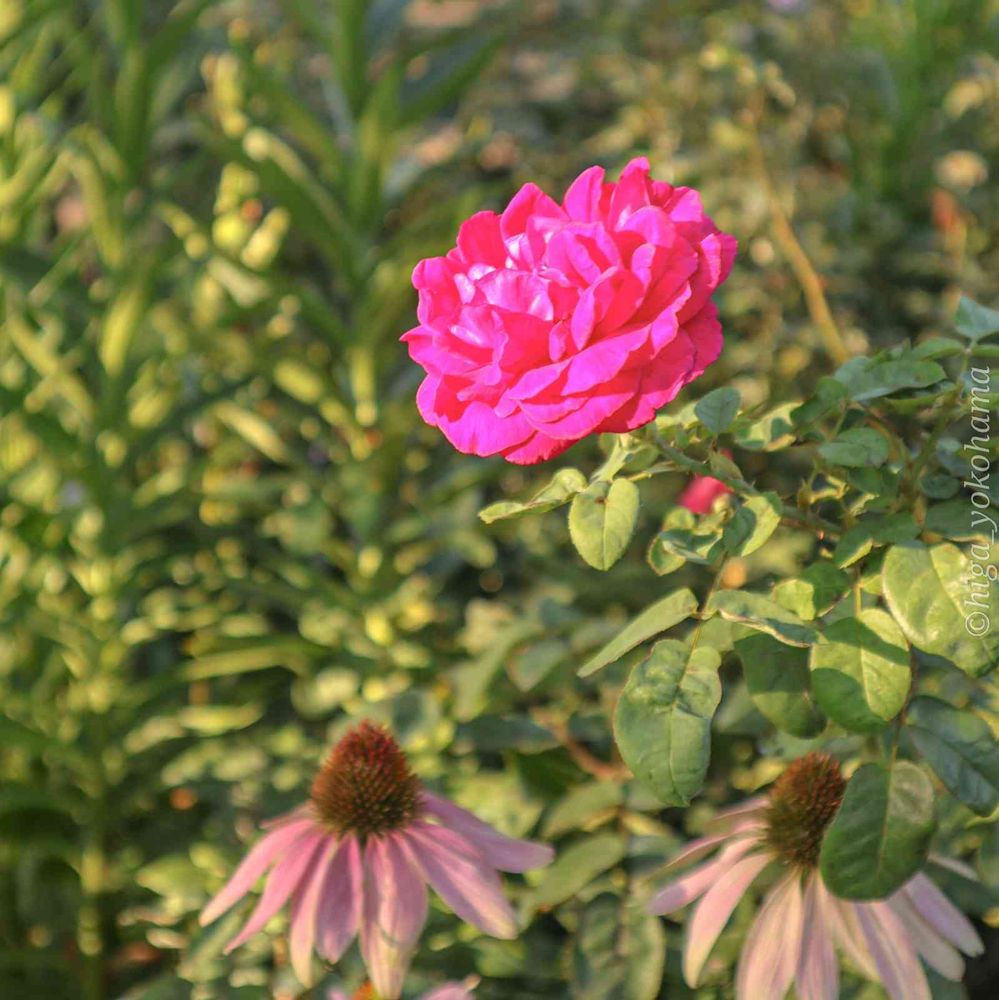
[(90, 934)]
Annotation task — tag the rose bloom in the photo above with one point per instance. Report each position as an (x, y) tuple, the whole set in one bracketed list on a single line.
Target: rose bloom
[(700, 494), (358, 856), (794, 938), (552, 321)]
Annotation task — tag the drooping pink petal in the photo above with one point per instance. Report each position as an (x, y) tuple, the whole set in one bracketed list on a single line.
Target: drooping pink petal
[(283, 880), (842, 919), (458, 874), (449, 991), (817, 977), (694, 851), (935, 951), (724, 818), (264, 853), (942, 915), (394, 912), (339, 912), (304, 913), (770, 954), (696, 882), (956, 866), (713, 911), (898, 965), (505, 853)]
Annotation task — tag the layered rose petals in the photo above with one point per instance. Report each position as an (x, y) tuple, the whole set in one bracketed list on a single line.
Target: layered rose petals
[(551, 322)]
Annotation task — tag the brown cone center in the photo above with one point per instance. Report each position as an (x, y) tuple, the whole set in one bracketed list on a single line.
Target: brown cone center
[(366, 786), (803, 801)]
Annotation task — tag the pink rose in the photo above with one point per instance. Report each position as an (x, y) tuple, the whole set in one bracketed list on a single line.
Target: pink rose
[(700, 494), (551, 322)]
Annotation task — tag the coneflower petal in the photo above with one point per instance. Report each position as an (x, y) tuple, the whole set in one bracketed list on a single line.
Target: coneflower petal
[(461, 878), (942, 915), (304, 911), (818, 971), (264, 853), (936, 952), (695, 883), (339, 912), (770, 953), (395, 910), (898, 965), (724, 818), (713, 911), (703, 846), (507, 854), (281, 883), (846, 930)]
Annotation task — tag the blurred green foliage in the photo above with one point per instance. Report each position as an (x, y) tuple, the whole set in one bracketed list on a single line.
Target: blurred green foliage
[(224, 532)]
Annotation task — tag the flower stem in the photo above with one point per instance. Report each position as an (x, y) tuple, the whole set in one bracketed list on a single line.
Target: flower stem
[(811, 282)]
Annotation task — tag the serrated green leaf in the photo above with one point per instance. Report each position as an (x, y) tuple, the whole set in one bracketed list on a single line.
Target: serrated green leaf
[(975, 321), (771, 432), (857, 448), (860, 671), (619, 952), (940, 602), (662, 723), (602, 520), (813, 593), (752, 524), (960, 747), (718, 408), (881, 835), (779, 684)]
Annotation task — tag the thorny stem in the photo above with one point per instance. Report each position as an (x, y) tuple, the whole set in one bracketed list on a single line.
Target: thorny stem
[(579, 754), (948, 405)]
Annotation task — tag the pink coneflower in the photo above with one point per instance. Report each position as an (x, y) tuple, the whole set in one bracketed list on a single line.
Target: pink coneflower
[(357, 858), (449, 991), (794, 936), (700, 494)]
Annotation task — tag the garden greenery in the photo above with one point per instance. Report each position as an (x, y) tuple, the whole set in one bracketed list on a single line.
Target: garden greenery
[(227, 539)]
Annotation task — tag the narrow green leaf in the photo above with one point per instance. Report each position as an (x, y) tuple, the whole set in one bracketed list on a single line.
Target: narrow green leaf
[(762, 614), (564, 485), (664, 614), (576, 867)]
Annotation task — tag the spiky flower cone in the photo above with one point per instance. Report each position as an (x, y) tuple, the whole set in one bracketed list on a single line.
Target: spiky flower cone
[(357, 859)]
